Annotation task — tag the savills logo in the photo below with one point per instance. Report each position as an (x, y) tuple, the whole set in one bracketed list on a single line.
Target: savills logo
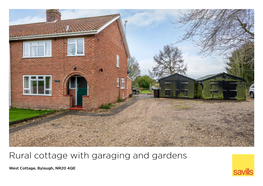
[(246, 172), (242, 164)]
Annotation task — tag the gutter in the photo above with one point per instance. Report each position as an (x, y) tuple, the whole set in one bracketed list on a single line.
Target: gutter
[(129, 78), (54, 35)]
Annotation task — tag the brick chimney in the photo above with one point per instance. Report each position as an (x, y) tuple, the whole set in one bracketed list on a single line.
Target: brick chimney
[(53, 15)]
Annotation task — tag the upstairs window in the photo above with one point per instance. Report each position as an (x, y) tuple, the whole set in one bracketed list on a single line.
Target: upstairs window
[(118, 61), (37, 48), (76, 47)]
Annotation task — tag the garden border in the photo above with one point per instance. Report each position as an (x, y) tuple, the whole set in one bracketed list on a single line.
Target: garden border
[(31, 118)]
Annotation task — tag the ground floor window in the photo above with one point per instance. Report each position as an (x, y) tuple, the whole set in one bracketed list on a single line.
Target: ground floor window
[(118, 84), (122, 83), (37, 85)]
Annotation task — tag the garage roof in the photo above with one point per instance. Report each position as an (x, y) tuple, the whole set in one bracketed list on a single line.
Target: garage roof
[(214, 75)]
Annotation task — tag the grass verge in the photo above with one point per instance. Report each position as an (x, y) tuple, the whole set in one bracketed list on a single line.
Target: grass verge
[(145, 91), (18, 113)]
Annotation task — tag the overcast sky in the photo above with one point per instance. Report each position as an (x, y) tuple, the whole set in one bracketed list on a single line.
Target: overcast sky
[(147, 32)]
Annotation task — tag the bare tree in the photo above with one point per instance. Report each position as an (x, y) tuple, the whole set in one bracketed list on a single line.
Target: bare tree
[(169, 61), (151, 74), (219, 31), (134, 68)]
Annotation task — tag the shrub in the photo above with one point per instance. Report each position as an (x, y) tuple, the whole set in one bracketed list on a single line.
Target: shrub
[(106, 106), (119, 100)]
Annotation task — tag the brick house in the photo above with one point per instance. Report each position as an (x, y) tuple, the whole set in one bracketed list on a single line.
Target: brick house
[(59, 64)]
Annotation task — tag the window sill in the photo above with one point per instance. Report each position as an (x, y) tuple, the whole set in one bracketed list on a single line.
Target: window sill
[(35, 57), (36, 94), (74, 55), (122, 87)]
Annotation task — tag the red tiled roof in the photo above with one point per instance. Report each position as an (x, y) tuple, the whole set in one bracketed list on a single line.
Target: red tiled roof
[(75, 25)]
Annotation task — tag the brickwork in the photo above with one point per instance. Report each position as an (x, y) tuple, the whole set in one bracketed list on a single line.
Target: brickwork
[(129, 89), (108, 45), (100, 53), (53, 15), (87, 103), (72, 92)]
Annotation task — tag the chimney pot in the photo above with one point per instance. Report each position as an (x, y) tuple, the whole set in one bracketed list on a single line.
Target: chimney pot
[(53, 15)]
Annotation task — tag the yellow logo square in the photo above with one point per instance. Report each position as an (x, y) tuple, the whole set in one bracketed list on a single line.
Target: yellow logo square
[(243, 165)]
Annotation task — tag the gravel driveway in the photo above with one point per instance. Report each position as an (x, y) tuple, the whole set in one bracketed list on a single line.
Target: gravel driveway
[(150, 122)]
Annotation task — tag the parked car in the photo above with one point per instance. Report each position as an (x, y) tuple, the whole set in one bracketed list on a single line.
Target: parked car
[(251, 91)]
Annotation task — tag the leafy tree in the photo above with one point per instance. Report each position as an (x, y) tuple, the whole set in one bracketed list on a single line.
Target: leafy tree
[(219, 31), (135, 82), (134, 68), (144, 81), (169, 61), (241, 63)]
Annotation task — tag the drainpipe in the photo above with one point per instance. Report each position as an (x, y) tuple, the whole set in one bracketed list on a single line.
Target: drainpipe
[(119, 88), (9, 77)]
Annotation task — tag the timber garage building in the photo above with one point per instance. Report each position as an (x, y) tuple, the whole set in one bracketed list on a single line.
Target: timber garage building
[(221, 86), (177, 86), (215, 86)]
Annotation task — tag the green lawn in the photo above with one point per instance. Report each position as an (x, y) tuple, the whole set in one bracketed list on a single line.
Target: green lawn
[(145, 91), (17, 113)]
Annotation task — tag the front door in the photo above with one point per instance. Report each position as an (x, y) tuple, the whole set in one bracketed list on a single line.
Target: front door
[(81, 89)]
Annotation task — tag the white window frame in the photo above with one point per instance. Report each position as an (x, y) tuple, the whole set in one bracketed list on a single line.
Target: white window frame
[(76, 46), (122, 83), (118, 61), (118, 82), (70, 87), (36, 45), (37, 78)]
